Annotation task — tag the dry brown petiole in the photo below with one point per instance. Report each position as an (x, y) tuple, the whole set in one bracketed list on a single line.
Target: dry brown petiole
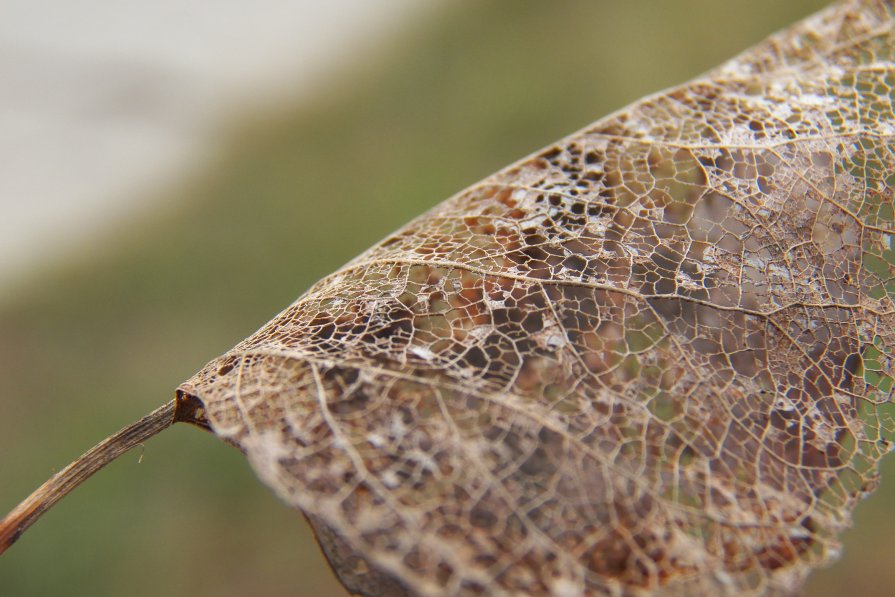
[(62, 483)]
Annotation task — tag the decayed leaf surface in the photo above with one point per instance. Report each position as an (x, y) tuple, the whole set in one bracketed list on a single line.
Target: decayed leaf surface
[(654, 356)]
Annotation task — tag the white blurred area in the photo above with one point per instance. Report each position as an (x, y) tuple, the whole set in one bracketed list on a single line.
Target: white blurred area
[(103, 101)]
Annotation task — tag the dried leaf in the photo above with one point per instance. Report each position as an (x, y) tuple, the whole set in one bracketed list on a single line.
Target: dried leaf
[(656, 355)]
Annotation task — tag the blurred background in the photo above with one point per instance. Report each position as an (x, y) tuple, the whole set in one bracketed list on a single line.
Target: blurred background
[(172, 174)]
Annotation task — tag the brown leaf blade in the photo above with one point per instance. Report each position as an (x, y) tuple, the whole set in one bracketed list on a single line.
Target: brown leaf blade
[(654, 356)]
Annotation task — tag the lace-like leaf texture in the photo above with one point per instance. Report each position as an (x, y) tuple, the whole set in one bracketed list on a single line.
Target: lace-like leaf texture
[(655, 356)]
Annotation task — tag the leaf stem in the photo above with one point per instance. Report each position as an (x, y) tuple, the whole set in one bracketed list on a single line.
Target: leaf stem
[(62, 483)]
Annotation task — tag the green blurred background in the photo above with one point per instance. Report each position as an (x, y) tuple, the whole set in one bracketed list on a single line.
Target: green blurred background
[(104, 336)]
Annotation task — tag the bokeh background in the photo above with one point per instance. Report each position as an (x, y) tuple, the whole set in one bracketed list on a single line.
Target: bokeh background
[(98, 332)]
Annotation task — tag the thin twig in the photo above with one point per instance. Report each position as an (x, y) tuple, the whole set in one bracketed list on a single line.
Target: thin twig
[(59, 485)]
